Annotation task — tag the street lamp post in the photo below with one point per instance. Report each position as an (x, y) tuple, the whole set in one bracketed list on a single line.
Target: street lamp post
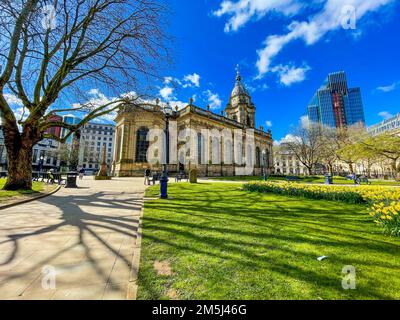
[(264, 155), (164, 179), (41, 161)]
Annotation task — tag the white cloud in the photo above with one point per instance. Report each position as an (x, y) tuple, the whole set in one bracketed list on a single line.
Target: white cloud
[(385, 115), (192, 80), (389, 88), (99, 99), (213, 99), (268, 123), (287, 138), (260, 87), (167, 93), (13, 100), (242, 11), (305, 121), (330, 18), (179, 104), (290, 74)]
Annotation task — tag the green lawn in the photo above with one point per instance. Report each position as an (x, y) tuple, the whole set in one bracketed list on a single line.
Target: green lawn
[(37, 187), (307, 179), (225, 243)]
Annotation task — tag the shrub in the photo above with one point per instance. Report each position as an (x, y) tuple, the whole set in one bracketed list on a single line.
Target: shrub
[(384, 203)]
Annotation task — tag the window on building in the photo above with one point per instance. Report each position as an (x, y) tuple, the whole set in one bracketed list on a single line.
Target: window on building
[(142, 145), (199, 147), (35, 154), (258, 157)]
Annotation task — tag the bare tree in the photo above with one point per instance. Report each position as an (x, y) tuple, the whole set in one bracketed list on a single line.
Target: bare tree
[(305, 144), (329, 148), (54, 48)]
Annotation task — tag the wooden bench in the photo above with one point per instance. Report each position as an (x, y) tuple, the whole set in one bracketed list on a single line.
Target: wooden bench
[(48, 177), (181, 176), (57, 177), (362, 179), (154, 178), (292, 178)]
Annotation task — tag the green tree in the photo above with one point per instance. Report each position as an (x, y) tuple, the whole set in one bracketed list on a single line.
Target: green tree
[(387, 146)]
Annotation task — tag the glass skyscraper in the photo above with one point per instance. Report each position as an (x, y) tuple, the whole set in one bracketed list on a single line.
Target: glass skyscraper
[(335, 105), (72, 120)]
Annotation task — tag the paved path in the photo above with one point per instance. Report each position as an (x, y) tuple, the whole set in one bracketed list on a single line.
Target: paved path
[(87, 238)]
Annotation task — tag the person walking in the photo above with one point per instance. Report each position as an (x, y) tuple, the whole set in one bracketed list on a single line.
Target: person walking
[(81, 173), (147, 174)]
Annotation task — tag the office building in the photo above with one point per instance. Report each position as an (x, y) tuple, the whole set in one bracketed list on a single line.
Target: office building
[(95, 137), (335, 104), (389, 125)]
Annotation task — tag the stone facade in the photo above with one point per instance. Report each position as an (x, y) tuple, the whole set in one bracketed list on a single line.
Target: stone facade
[(133, 121), (286, 163)]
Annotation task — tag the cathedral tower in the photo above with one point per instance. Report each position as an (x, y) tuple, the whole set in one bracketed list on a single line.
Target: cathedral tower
[(240, 108)]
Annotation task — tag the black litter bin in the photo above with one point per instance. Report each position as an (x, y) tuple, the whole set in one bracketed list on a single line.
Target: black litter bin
[(71, 180)]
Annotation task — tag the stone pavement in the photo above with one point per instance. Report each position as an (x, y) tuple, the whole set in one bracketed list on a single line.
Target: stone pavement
[(77, 244)]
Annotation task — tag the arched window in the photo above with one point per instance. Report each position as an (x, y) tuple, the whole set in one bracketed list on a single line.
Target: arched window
[(267, 159), (248, 121), (199, 148), (228, 152), (142, 145), (235, 118), (250, 156), (238, 153), (118, 144), (258, 157), (215, 150)]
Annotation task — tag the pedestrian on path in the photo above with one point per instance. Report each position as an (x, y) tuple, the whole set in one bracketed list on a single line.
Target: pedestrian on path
[(147, 174), (81, 173)]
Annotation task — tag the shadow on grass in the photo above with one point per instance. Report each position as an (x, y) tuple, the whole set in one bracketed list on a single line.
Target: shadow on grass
[(221, 239)]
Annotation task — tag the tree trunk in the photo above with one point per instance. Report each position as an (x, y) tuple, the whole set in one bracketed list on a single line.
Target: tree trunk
[(331, 169), (19, 168), (351, 168), (395, 169)]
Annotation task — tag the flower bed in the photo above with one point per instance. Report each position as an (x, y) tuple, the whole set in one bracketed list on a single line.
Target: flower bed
[(384, 202)]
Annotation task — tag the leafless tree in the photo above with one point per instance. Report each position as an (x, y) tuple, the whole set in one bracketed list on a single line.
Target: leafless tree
[(305, 144), (63, 47)]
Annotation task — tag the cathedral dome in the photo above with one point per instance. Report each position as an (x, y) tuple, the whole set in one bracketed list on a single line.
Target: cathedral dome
[(239, 88)]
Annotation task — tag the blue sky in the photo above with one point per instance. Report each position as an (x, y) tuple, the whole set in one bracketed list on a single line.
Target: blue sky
[(285, 50)]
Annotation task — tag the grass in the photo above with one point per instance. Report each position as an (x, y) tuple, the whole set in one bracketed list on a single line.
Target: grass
[(225, 243), (4, 194), (308, 179)]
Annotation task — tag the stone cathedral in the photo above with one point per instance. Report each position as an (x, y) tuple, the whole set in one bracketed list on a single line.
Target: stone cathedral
[(135, 122)]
